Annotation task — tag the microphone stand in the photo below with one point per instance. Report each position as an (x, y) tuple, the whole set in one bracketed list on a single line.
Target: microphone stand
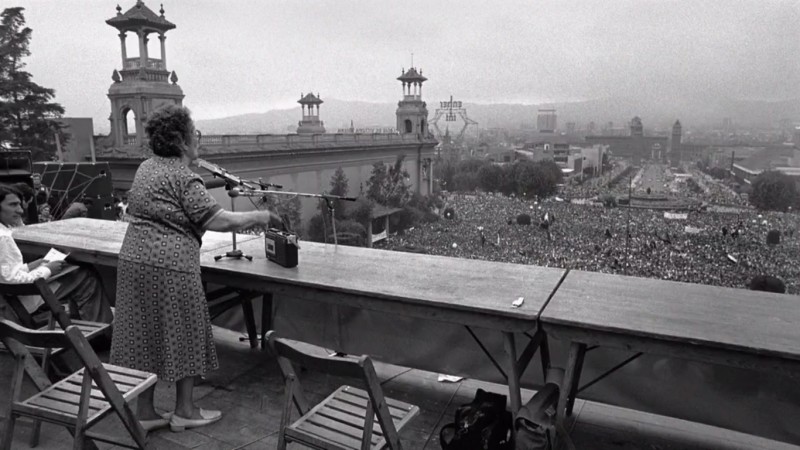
[(237, 186), (232, 183), (234, 253)]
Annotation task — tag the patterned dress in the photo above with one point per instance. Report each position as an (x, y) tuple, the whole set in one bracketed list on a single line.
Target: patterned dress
[(162, 324)]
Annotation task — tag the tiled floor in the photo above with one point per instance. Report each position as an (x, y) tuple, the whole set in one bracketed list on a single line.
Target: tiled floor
[(249, 391)]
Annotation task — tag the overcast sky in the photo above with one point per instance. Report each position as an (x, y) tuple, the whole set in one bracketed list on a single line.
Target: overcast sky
[(236, 57)]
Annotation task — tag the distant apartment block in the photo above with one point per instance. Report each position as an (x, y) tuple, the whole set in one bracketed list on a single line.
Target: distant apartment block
[(546, 121)]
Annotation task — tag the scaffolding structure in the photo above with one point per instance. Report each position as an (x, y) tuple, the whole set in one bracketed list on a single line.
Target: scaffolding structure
[(451, 110)]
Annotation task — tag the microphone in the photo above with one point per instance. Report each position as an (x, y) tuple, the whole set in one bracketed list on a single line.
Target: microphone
[(338, 197), (229, 178), (215, 183), (266, 185), (235, 192), (218, 171)]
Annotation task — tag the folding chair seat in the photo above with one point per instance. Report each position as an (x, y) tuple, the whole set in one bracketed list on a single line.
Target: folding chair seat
[(80, 400), (347, 418)]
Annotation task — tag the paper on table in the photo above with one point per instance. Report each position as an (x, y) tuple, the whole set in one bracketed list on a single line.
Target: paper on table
[(449, 378), (55, 255)]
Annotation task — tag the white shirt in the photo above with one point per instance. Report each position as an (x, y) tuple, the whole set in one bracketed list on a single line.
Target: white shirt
[(13, 270)]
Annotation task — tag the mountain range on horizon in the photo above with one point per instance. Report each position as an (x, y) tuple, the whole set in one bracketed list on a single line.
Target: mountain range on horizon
[(657, 115)]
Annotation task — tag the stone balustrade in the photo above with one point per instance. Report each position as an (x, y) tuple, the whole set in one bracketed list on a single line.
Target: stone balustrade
[(283, 141)]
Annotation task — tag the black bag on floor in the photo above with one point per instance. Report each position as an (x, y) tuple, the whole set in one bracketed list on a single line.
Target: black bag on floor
[(483, 424), (535, 425)]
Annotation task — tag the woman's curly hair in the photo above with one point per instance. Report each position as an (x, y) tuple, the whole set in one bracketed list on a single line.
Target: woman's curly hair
[(169, 127)]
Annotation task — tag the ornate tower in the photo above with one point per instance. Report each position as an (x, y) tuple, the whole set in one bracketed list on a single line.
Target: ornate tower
[(412, 114), (143, 83), (310, 123), (675, 147)]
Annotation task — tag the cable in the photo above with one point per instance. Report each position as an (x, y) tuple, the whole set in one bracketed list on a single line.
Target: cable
[(333, 222), (324, 228)]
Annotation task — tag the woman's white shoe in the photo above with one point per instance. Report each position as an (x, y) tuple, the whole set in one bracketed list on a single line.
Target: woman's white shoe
[(178, 423)]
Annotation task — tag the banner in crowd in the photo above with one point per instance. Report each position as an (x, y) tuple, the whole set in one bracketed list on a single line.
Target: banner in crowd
[(692, 230), (676, 216)]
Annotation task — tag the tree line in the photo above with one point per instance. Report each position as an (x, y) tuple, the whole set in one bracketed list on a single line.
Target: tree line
[(388, 187), (522, 178), (28, 115)]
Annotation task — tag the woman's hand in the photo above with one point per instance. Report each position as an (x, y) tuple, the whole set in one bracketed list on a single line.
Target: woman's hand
[(235, 221), (34, 264), (55, 266), (273, 220)]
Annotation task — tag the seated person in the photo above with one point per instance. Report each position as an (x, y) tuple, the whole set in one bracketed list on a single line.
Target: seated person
[(81, 289), (42, 206), (27, 193), (27, 198)]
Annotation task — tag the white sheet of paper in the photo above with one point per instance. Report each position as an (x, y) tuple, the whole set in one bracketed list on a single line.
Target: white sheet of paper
[(55, 255), (449, 378)]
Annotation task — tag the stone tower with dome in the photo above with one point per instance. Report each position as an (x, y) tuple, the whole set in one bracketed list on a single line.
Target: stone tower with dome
[(310, 106), (412, 112), (143, 84)]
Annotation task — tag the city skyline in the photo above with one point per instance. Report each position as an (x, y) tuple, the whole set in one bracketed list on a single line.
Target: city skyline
[(260, 56)]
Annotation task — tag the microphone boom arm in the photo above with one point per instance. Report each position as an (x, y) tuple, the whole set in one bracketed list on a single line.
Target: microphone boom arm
[(230, 179), (261, 192)]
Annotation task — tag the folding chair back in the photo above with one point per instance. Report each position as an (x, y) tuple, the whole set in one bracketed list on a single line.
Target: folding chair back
[(346, 418), (12, 292), (74, 401)]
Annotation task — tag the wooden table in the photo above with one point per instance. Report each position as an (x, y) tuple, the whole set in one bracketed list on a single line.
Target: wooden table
[(96, 241), (734, 327), (472, 293)]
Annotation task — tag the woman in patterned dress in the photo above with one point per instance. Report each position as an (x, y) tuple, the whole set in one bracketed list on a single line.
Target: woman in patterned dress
[(162, 323)]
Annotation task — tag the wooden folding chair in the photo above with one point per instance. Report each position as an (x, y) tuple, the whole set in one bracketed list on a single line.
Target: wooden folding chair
[(346, 419), (91, 330), (79, 401)]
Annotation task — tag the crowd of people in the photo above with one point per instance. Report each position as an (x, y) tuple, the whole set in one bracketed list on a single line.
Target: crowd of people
[(594, 186), (717, 191), (655, 180), (707, 247)]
